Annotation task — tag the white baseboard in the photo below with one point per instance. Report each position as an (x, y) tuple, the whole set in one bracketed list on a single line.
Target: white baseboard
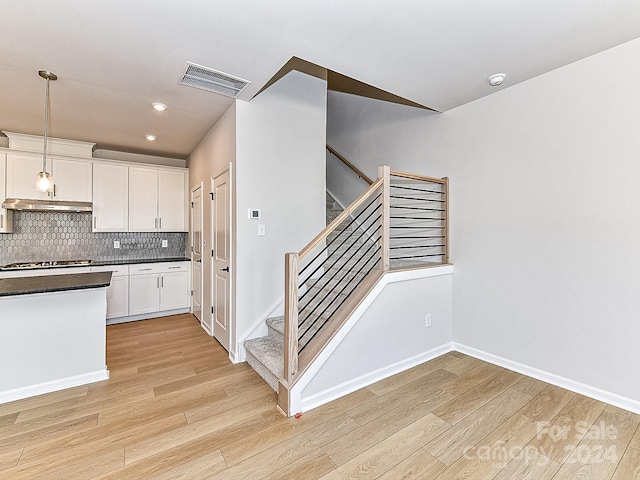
[(352, 385), (146, 316), (563, 382), (54, 386)]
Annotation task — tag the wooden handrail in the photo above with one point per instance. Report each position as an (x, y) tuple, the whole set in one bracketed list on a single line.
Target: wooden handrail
[(414, 176), (355, 169), (339, 219)]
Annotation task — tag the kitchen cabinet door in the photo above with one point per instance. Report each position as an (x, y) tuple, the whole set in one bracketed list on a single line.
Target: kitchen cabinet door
[(72, 180), (144, 293), (110, 198), (172, 201), (6, 217), (143, 199), (22, 171), (118, 291), (174, 291), (118, 297)]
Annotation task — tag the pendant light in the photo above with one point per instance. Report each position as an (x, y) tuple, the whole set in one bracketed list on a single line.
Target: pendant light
[(45, 180)]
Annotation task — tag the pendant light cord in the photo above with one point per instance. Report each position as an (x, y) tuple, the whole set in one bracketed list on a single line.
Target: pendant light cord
[(46, 124)]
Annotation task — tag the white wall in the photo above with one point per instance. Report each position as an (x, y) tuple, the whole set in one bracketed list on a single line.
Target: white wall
[(281, 137), (216, 150), (390, 336), (342, 183), (545, 207)]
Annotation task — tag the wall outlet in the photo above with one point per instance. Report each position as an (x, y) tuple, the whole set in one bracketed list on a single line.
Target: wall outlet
[(261, 230), (165, 243), (427, 320), (116, 244)]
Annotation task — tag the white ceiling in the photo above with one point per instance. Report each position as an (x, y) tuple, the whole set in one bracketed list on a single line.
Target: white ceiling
[(113, 58)]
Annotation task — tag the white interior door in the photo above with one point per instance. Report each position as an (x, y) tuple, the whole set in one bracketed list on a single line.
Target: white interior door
[(221, 257), (196, 253)]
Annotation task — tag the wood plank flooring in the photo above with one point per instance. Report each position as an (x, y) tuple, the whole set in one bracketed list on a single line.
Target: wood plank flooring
[(176, 408)]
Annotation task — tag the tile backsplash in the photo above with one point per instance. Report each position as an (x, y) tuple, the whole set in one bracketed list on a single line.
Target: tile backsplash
[(48, 236)]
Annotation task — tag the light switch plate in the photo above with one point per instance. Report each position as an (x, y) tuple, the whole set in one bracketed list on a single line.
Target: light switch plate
[(116, 244), (261, 230), (165, 243)]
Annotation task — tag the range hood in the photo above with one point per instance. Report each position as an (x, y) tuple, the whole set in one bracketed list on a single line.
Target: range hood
[(46, 205)]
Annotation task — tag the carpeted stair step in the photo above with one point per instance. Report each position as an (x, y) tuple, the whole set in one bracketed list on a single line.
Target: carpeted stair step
[(266, 357), (276, 328)]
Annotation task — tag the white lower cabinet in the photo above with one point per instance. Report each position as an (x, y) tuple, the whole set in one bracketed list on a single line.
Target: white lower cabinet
[(138, 289), (118, 291), (157, 287)]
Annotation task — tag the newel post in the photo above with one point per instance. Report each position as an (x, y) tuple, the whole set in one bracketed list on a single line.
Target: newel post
[(384, 172), (290, 316)]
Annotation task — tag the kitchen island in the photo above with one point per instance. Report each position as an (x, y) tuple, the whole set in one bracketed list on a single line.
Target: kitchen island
[(53, 333)]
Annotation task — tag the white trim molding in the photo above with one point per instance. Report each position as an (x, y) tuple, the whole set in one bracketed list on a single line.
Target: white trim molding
[(369, 378), (48, 387), (562, 382)]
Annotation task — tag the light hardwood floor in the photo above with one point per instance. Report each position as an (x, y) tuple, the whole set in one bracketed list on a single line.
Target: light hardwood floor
[(176, 408)]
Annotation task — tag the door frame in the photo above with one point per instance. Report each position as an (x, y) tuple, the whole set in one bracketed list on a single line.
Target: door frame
[(231, 287), (200, 186)]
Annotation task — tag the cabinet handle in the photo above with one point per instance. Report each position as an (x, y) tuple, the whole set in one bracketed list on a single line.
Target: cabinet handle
[(157, 282), (54, 189), (162, 282), (160, 223), (94, 222), (1, 221), (144, 270), (173, 268)]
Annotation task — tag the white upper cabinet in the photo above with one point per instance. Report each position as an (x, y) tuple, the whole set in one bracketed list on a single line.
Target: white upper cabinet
[(157, 200), (143, 199), (22, 171), (71, 178), (110, 198), (172, 201), (6, 217)]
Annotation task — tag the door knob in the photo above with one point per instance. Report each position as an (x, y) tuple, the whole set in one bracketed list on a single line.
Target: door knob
[(225, 269)]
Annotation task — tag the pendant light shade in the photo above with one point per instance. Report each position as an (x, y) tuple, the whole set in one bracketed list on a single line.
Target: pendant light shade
[(44, 181)]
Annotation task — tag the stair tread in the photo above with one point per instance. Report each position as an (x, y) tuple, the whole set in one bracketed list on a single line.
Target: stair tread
[(269, 352), (277, 323)]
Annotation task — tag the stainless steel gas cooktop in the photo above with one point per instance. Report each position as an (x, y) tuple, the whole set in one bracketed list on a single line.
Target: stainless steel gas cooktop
[(52, 264)]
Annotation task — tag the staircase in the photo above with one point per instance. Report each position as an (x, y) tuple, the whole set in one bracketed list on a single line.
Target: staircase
[(266, 354), (399, 222)]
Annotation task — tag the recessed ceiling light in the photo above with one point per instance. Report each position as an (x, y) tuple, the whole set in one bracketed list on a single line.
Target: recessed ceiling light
[(161, 107), (497, 79), (151, 138)]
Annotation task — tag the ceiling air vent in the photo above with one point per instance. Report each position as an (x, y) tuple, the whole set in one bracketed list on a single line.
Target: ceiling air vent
[(212, 80)]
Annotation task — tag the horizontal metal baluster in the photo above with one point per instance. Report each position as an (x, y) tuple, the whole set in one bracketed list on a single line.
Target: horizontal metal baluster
[(305, 343), (332, 278), (418, 208), (417, 189), (341, 244), (415, 246), (347, 226), (416, 199), (394, 217), (334, 264)]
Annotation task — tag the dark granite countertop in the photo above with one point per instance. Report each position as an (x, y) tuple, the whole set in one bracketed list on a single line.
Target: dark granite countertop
[(53, 283), (99, 263)]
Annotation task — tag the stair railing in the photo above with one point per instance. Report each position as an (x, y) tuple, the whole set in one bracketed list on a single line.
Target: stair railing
[(419, 228), (353, 168), (400, 219)]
